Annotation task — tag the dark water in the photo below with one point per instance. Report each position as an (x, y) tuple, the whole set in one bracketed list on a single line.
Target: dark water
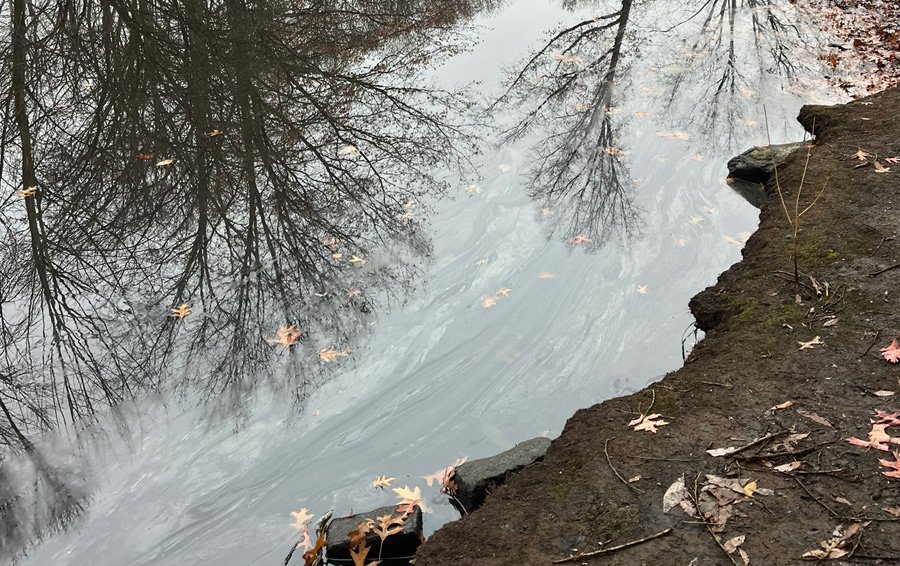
[(477, 224)]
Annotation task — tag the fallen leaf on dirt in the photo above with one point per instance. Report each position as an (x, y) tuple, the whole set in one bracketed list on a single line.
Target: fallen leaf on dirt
[(892, 159), (883, 393), (732, 544), (878, 438), (634, 479), (648, 422), (382, 482), (889, 419), (861, 155), (814, 418), (811, 344), (895, 511), (789, 467), (892, 352), (677, 495), (879, 168), (717, 452), (894, 465), (785, 405), (843, 501), (830, 322), (834, 547)]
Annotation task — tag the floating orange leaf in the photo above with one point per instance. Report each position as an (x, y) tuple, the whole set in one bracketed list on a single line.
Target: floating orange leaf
[(181, 311), (285, 336)]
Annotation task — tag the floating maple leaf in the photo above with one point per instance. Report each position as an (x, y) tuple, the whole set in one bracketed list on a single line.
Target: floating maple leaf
[(301, 518), (409, 499), (408, 216), (643, 115), (892, 352), (546, 275), (164, 162), (614, 151), (579, 239), (648, 422), (503, 292), (29, 192), (356, 260), (473, 189), (695, 219), (642, 289), (285, 336), (348, 151), (488, 302), (444, 477), (382, 482), (332, 355), (504, 167), (180, 311)]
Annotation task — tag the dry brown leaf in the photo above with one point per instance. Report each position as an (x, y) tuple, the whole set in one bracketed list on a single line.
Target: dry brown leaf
[(811, 344), (895, 511), (732, 544), (779, 406), (815, 418), (879, 168), (789, 467), (648, 422), (883, 393)]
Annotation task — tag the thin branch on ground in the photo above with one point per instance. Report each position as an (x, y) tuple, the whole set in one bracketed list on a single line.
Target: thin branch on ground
[(886, 269), (612, 549), (872, 345), (815, 497), (611, 467)]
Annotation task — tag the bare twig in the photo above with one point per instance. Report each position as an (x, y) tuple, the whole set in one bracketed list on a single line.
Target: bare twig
[(872, 345), (611, 467), (612, 549), (758, 441), (814, 497), (880, 271)]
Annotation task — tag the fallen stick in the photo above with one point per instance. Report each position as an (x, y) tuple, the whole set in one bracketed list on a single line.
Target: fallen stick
[(611, 467), (612, 549)]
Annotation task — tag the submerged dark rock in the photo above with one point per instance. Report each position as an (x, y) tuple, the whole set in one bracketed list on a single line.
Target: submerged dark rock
[(476, 478), (397, 549), (758, 163)]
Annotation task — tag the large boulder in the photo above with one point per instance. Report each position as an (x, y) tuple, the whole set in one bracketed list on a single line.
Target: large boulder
[(475, 479), (398, 546), (757, 164)]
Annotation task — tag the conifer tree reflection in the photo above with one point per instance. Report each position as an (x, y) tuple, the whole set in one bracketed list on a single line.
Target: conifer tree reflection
[(568, 87)]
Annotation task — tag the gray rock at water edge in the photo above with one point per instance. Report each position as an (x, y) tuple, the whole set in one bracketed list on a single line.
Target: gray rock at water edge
[(476, 478), (757, 164), (401, 545)]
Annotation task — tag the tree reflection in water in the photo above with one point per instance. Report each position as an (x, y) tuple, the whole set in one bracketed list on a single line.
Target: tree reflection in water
[(569, 89), (261, 162)]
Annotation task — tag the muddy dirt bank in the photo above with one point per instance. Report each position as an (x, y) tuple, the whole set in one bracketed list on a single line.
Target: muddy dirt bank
[(811, 348)]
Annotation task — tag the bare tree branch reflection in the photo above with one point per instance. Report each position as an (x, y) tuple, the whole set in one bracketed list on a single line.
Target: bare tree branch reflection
[(568, 87), (737, 45), (257, 161)]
